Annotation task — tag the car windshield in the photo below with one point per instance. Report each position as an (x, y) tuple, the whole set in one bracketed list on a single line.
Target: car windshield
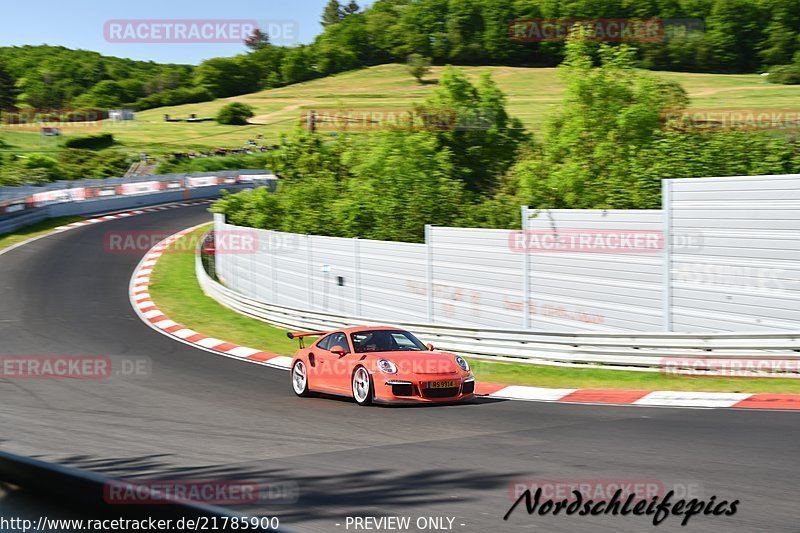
[(384, 340)]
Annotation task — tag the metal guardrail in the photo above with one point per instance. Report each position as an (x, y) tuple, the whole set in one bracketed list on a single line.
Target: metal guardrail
[(619, 351), (22, 206), (16, 199)]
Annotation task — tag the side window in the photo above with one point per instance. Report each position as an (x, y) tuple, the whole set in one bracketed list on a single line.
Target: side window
[(325, 343), (338, 339)]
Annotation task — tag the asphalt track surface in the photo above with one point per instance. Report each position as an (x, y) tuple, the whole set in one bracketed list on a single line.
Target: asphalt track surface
[(196, 415)]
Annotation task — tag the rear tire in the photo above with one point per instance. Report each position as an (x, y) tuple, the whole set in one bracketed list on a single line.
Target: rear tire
[(300, 379), (361, 385)]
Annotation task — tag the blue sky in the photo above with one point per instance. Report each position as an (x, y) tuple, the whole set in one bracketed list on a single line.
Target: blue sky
[(80, 23)]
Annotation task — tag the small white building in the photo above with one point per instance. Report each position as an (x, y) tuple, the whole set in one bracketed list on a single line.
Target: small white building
[(121, 114)]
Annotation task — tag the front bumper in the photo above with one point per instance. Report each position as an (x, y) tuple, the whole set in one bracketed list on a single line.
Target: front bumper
[(416, 389)]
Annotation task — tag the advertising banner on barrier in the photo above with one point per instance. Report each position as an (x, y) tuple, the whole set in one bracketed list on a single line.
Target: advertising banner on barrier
[(251, 177), (102, 192), (202, 181), (58, 196), (13, 207), (140, 188)]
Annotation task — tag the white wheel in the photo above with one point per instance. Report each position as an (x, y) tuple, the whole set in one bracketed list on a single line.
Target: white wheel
[(300, 379), (362, 386)]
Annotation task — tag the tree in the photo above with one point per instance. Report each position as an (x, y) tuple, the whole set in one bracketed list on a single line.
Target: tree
[(235, 113), (257, 40), (351, 8), (333, 13), (419, 66), (227, 76), (472, 123), (297, 65), (382, 186), (8, 92), (107, 93), (609, 115)]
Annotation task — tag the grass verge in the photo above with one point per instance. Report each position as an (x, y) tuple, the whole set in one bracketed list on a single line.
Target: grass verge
[(175, 290), (34, 230)]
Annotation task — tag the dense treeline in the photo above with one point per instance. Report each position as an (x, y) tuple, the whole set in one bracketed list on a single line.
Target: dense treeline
[(56, 77), (605, 148), (733, 36)]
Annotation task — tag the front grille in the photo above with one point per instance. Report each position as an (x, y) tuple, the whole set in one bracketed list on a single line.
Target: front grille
[(469, 387), (402, 389), (440, 393)]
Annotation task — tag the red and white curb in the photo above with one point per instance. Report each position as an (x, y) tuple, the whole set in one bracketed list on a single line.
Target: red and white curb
[(645, 398), (152, 316)]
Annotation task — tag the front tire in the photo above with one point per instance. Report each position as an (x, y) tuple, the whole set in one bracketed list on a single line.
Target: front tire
[(300, 379), (362, 386)]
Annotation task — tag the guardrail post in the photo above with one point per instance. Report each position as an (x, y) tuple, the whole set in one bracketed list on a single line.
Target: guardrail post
[(429, 270), (666, 239), (357, 273), (526, 272)]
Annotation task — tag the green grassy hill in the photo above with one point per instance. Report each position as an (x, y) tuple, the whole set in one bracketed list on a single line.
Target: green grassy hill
[(532, 94)]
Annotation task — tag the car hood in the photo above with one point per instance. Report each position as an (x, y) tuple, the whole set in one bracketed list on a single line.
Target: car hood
[(422, 362)]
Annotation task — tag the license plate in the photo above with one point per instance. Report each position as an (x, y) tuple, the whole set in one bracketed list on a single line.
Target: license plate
[(442, 384)]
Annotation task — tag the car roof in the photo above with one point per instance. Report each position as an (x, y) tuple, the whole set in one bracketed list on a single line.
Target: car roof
[(357, 329)]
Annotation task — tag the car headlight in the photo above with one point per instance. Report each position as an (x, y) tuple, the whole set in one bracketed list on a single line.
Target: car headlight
[(387, 366), (460, 361)]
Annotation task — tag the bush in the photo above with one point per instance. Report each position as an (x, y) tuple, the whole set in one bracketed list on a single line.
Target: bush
[(173, 97), (77, 164), (785, 74), (419, 66), (235, 113), (91, 142)]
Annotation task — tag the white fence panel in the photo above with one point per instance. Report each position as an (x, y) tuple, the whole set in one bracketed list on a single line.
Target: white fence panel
[(393, 280), (582, 287), (733, 265), (333, 274), (477, 279), (745, 273)]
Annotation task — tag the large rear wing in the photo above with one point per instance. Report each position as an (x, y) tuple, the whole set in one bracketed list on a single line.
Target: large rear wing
[(301, 334)]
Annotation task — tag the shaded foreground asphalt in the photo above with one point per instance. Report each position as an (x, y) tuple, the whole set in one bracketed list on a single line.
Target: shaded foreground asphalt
[(193, 415)]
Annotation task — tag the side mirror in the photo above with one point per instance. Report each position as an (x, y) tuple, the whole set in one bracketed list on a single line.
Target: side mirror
[(430, 347), (338, 350)]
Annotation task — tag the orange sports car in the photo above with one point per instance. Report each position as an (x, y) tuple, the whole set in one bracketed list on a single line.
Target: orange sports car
[(379, 364)]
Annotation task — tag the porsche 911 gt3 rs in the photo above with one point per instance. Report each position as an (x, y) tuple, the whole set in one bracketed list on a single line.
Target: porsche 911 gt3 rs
[(379, 364)]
